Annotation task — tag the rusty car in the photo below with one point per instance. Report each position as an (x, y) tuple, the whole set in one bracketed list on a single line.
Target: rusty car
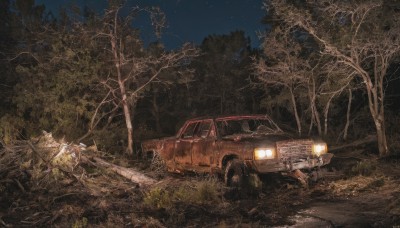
[(236, 146)]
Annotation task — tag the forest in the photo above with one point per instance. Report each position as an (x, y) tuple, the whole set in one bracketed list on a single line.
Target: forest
[(326, 69)]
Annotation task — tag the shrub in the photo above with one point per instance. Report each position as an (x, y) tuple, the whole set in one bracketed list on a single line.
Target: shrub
[(183, 194), (80, 223), (364, 168), (206, 191), (376, 183), (158, 198), (201, 192)]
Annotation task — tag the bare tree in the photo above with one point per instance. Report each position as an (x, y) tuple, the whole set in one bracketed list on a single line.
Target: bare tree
[(134, 70), (312, 95), (350, 33), (332, 85), (283, 67)]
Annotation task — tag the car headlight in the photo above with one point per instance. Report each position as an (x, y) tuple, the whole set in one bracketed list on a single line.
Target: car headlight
[(319, 149), (264, 153)]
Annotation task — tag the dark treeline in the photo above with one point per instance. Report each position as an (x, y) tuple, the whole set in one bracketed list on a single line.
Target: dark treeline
[(90, 77)]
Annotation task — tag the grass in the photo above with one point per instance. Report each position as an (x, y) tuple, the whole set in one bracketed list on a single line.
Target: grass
[(199, 192), (82, 223), (363, 168), (158, 198)]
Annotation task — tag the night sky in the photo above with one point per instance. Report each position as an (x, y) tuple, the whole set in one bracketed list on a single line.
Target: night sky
[(187, 20)]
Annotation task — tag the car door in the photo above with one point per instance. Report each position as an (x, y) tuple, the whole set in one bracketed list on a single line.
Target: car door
[(203, 146), (182, 152)]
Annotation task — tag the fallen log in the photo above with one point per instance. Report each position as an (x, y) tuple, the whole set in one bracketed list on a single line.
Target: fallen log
[(366, 140), (129, 173), (67, 156)]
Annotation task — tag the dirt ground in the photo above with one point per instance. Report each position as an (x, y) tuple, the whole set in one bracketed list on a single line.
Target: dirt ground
[(356, 201), (354, 192)]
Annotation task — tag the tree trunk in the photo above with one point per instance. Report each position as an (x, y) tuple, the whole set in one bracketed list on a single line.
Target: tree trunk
[(317, 120), (346, 127), (314, 111), (127, 114), (381, 136), (326, 112), (156, 113), (296, 114), (311, 125), (131, 174), (125, 104), (375, 102)]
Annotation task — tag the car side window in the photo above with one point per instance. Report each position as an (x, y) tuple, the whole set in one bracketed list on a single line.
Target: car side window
[(203, 129), (189, 130)]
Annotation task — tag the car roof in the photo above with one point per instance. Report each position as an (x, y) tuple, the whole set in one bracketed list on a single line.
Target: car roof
[(230, 117)]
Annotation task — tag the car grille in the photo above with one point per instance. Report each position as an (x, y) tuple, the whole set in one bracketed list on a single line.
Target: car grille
[(294, 150)]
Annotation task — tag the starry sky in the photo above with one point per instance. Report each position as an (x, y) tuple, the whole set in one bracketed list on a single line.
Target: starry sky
[(187, 20)]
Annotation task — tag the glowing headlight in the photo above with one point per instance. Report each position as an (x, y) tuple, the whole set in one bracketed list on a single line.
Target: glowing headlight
[(264, 153), (319, 149)]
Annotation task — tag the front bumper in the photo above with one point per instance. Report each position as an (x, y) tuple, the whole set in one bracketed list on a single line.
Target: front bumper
[(275, 165)]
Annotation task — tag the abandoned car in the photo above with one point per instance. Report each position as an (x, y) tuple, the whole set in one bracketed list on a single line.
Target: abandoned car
[(236, 146)]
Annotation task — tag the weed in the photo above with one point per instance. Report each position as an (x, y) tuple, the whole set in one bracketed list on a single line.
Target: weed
[(80, 223), (57, 174), (255, 182), (158, 165), (201, 192), (158, 198), (376, 183), (183, 194), (354, 185), (363, 168), (206, 191)]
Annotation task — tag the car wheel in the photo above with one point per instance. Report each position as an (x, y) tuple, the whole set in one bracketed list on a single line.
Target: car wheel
[(235, 173)]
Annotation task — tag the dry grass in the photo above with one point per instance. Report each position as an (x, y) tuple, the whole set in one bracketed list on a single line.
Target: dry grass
[(43, 183), (355, 185), (364, 168), (197, 192)]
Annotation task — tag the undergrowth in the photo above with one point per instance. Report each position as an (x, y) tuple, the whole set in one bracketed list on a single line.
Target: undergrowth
[(363, 168), (200, 192)]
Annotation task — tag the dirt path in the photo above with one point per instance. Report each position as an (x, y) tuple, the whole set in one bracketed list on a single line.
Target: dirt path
[(346, 213), (359, 204)]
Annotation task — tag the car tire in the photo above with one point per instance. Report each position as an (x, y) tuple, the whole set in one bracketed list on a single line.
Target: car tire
[(235, 173)]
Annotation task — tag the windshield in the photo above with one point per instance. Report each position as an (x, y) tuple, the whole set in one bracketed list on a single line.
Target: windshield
[(246, 126)]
